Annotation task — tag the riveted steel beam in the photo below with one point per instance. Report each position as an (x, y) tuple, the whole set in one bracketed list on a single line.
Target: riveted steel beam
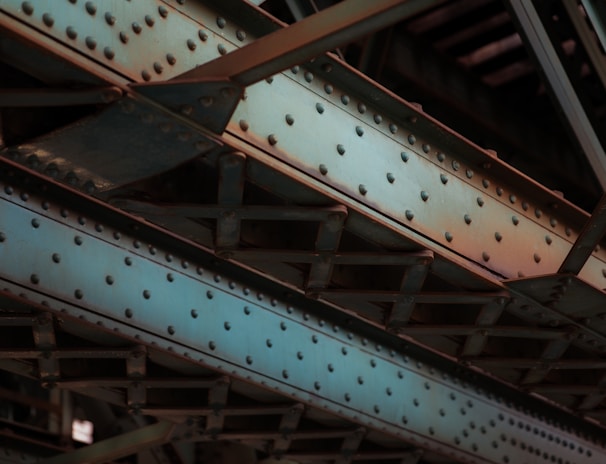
[(306, 39), (248, 330)]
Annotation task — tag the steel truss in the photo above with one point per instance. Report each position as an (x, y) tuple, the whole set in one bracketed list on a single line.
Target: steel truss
[(364, 178)]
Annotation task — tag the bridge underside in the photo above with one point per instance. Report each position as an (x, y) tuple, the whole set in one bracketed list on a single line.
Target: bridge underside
[(307, 231)]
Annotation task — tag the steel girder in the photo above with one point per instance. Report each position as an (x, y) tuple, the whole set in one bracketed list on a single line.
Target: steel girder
[(394, 167), (83, 269)]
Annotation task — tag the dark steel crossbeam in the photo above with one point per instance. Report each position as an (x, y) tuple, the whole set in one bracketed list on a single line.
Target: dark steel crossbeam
[(306, 39), (488, 317), (20, 98), (231, 187)]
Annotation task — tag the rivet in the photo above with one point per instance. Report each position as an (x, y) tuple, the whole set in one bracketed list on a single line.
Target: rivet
[(109, 53), (272, 139), (362, 108), (158, 67), (227, 326), (27, 8), (340, 149), (424, 195), (171, 330), (212, 345), (170, 59), (34, 279), (409, 215), (499, 191), (525, 205), (405, 156), (448, 236), (485, 183), (146, 294), (243, 125), (48, 19), (223, 50), (71, 32), (330, 368), (221, 22), (285, 374), (91, 43), (240, 35), (515, 220), (162, 11), (78, 240), (2, 236), (412, 139), (191, 44), (393, 128), (323, 169), (289, 119), (269, 80), (444, 178), (469, 173), (480, 201), (467, 219), (378, 118), (149, 20), (110, 18), (299, 355), (548, 239), (128, 312), (319, 108), (498, 237), (567, 231), (390, 178), (91, 8), (362, 188), (35, 223), (485, 256), (78, 294), (360, 380), (123, 37), (202, 35), (345, 99), (359, 131), (194, 313), (553, 222), (109, 280), (308, 76), (170, 277), (328, 89), (537, 258), (295, 69), (512, 198), (136, 27), (538, 213), (441, 157)]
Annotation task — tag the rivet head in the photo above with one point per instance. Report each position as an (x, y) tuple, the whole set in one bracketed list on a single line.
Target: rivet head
[(467, 219), (409, 215), (221, 49), (377, 118), (328, 88), (390, 178), (424, 195), (485, 256), (202, 35), (27, 8), (158, 67), (91, 43), (405, 156), (191, 44), (162, 11), (323, 169), (91, 8), (221, 22), (412, 139), (340, 149), (362, 189), (71, 32), (123, 37), (362, 108), (240, 35), (145, 75), (319, 108), (170, 59), (48, 20), (537, 258), (498, 237), (515, 220), (345, 99), (444, 178), (480, 201), (109, 53), (136, 27), (272, 139), (290, 120), (448, 236), (149, 20), (548, 239), (393, 128), (244, 125), (359, 131), (308, 76), (110, 18)]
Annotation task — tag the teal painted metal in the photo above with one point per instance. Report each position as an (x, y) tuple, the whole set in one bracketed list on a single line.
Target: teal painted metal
[(78, 267)]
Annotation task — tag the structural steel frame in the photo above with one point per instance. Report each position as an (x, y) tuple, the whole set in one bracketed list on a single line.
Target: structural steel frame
[(389, 170)]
